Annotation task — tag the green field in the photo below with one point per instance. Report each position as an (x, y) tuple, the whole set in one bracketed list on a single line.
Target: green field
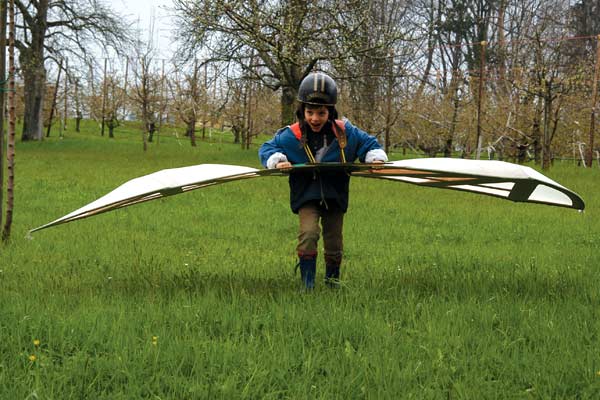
[(445, 295)]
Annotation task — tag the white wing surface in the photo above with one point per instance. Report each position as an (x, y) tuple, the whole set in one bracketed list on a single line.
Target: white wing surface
[(156, 185), (494, 178)]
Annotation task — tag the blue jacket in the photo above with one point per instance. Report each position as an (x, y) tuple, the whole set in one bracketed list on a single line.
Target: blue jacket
[(328, 188)]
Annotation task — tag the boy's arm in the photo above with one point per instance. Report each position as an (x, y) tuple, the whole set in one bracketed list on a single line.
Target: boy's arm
[(272, 153), (369, 150)]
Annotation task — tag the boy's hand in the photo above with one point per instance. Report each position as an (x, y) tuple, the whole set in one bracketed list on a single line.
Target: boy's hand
[(284, 165)]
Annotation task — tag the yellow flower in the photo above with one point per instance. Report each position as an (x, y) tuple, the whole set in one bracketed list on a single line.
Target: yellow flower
[(32, 358), (155, 340), (598, 373), (36, 342)]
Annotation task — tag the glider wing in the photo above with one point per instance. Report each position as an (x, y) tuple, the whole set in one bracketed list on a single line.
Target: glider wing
[(494, 178), (157, 185)]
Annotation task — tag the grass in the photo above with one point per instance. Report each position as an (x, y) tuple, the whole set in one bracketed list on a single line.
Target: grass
[(445, 295)]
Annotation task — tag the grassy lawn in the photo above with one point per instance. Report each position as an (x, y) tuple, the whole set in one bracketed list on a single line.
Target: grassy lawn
[(445, 295)]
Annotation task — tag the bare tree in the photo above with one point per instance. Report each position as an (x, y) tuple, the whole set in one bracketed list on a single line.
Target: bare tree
[(11, 124), (55, 29), (146, 94), (375, 65), (288, 37), (186, 95), (115, 102), (3, 87), (77, 105)]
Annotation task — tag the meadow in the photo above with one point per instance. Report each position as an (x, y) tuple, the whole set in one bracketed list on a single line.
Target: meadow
[(445, 295)]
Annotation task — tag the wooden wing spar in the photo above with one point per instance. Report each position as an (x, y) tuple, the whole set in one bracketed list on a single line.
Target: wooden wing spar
[(493, 178)]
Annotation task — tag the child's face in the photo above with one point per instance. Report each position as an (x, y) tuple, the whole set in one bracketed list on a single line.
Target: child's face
[(316, 117)]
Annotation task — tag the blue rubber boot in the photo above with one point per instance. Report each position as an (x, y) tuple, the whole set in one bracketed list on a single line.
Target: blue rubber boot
[(332, 276), (308, 270)]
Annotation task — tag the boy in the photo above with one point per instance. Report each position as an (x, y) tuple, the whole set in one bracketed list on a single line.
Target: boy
[(317, 137)]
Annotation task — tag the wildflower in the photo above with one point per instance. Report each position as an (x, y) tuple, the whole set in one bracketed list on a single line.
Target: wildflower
[(36, 342), (155, 340), (32, 358), (598, 373)]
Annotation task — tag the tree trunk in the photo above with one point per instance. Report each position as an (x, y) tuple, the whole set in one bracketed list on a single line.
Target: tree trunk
[(589, 158), (78, 115), (288, 98), (34, 81), (236, 133), (144, 140), (3, 16), (547, 135), (521, 153), (112, 122), (31, 60), (454, 123), (66, 95), (104, 90), (536, 134), (151, 129), (188, 128), (10, 156), (191, 131), (430, 51), (54, 97)]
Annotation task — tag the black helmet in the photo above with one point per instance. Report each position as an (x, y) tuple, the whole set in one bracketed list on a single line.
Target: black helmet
[(318, 88)]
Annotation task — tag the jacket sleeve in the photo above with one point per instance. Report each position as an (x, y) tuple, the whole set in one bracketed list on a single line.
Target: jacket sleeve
[(271, 152), (368, 148)]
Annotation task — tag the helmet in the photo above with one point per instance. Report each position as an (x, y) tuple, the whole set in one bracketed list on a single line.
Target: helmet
[(318, 88)]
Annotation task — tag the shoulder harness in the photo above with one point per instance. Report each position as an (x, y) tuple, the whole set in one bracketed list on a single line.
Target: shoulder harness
[(339, 130)]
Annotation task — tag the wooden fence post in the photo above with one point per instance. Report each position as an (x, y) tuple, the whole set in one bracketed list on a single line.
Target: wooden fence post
[(54, 99), (589, 158), (104, 89), (66, 90), (162, 103), (483, 45)]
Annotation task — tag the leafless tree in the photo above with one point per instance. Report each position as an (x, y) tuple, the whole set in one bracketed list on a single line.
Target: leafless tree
[(285, 39), (3, 42), (116, 99), (10, 156), (146, 93), (378, 53), (57, 29), (187, 95)]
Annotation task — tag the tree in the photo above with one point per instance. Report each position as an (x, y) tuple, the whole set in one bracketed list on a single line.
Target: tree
[(276, 42), (186, 95), (10, 156), (453, 31), (55, 29), (586, 22), (146, 94), (3, 87), (114, 103), (377, 56)]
